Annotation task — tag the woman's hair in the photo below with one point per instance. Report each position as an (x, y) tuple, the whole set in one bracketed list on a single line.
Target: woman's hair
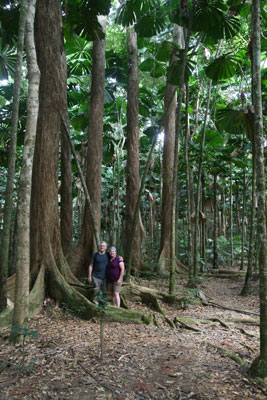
[(113, 248)]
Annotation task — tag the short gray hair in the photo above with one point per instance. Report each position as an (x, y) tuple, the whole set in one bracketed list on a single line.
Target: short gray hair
[(113, 248)]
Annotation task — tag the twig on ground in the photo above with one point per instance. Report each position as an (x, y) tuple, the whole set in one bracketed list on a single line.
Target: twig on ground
[(211, 303)]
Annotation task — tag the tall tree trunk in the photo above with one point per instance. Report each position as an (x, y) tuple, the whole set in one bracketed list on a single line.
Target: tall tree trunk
[(178, 33), (259, 366), (231, 217), (136, 211), (238, 222), (251, 249), (215, 221), (66, 220), (243, 232), (197, 207), (80, 256), (44, 202), (6, 232), (188, 186), (132, 145), (167, 169), (24, 196)]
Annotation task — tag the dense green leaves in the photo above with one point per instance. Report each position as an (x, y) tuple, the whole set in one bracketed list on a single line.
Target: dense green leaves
[(130, 10), (82, 18), (150, 25), (210, 18)]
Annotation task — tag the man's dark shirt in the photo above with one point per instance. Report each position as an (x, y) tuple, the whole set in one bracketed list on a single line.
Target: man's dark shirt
[(99, 262)]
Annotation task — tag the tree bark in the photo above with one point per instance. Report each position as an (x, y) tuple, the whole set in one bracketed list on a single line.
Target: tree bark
[(243, 232), (66, 219), (246, 288), (6, 232), (215, 221), (197, 206), (132, 145), (178, 32), (23, 231), (231, 217), (80, 256), (259, 366), (167, 170)]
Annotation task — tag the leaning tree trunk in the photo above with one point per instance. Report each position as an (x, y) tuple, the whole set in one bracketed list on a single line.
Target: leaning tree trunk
[(132, 145), (259, 366), (6, 232), (24, 196), (79, 258)]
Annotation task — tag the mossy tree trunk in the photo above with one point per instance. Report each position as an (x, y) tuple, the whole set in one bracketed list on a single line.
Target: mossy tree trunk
[(7, 222), (24, 195)]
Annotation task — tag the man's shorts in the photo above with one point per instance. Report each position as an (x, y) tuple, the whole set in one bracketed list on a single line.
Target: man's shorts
[(99, 284), (113, 287)]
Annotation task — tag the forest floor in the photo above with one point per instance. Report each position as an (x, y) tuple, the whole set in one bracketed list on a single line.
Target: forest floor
[(140, 362)]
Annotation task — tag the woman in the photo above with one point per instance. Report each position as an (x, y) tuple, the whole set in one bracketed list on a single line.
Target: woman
[(115, 271)]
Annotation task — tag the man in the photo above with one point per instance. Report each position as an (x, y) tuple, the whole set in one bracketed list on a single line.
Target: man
[(97, 268)]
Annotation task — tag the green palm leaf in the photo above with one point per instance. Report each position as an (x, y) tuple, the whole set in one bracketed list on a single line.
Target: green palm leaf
[(150, 25), (130, 10), (174, 71), (223, 67), (230, 120), (7, 62), (207, 16), (164, 51)]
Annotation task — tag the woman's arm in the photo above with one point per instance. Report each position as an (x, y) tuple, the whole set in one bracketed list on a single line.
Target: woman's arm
[(122, 268)]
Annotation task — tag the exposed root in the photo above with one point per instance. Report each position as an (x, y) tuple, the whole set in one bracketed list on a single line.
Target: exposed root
[(35, 300)]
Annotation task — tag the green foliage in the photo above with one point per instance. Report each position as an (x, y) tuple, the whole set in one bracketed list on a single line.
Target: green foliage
[(173, 74), (230, 120), (102, 302), (210, 17), (150, 25), (130, 10), (82, 19), (223, 67), (7, 62)]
